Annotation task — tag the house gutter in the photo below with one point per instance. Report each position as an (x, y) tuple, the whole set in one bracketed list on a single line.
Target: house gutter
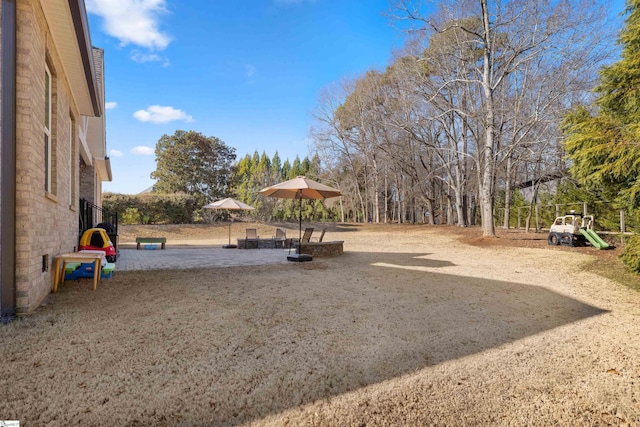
[(81, 27), (8, 164)]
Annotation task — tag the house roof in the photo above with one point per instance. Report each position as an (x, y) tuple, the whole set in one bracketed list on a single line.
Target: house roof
[(70, 30)]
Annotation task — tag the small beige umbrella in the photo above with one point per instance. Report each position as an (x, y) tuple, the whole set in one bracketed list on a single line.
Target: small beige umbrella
[(300, 188), (231, 205)]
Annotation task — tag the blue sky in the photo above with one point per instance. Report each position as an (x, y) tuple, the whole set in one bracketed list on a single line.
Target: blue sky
[(246, 71)]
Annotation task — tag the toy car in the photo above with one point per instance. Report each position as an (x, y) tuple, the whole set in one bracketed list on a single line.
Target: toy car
[(96, 239)]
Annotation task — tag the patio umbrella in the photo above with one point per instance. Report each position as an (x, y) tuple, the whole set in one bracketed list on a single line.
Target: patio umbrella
[(230, 205), (300, 188)]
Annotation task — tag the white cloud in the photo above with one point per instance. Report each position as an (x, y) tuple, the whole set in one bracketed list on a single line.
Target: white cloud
[(115, 153), (141, 57), (132, 21), (142, 150), (160, 114), (110, 105)]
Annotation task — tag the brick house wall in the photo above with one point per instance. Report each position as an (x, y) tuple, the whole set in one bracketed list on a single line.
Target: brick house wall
[(46, 222), (0, 120)]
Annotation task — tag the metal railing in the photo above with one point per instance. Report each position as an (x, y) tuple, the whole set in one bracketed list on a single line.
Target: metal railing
[(92, 215)]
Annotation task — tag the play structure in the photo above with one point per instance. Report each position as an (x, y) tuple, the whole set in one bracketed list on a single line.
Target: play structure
[(76, 270), (96, 239), (574, 229)]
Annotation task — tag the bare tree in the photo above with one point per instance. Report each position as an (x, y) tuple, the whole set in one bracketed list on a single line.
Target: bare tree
[(495, 44), (334, 146)]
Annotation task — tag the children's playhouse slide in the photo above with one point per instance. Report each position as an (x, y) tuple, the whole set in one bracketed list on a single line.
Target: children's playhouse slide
[(593, 238)]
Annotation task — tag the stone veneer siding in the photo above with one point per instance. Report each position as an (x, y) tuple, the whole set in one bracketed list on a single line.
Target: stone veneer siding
[(45, 223), (322, 249)]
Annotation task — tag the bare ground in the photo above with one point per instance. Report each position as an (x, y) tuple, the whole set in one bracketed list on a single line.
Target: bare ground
[(413, 325)]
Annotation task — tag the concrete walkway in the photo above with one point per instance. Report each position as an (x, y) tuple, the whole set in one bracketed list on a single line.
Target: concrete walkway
[(198, 257)]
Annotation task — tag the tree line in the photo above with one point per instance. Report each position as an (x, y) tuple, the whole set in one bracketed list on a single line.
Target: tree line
[(483, 99), (193, 170), (469, 109)]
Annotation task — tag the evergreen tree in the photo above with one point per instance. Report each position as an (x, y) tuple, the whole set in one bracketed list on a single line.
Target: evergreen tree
[(276, 168), (241, 187), (286, 169), (296, 169), (263, 171), (255, 172), (604, 146)]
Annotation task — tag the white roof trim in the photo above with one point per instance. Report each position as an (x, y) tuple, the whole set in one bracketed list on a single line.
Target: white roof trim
[(103, 167), (69, 29)]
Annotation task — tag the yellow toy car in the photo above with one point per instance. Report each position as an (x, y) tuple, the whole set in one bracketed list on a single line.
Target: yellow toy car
[(96, 239)]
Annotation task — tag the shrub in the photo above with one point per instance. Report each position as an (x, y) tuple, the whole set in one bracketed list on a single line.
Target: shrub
[(631, 254), (152, 208), (130, 216)]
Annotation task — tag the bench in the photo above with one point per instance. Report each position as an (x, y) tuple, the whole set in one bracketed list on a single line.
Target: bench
[(161, 240)]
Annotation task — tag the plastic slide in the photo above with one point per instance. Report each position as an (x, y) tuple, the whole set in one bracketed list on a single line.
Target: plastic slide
[(593, 238)]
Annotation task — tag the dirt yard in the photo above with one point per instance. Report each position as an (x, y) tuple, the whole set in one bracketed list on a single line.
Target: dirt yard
[(413, 325)]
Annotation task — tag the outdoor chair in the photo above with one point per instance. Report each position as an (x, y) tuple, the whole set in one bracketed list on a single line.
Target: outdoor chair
[(279, 238), (319, 239), (251, 236), (306, 237)]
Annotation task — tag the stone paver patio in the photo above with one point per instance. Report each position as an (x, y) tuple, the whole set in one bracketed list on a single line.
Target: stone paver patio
[(198, 257)]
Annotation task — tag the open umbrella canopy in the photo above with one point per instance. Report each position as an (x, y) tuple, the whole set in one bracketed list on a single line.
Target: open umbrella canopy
[(230, 204), (300, 188)]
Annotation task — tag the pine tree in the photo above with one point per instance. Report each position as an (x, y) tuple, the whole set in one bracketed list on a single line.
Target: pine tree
[(604, 146)]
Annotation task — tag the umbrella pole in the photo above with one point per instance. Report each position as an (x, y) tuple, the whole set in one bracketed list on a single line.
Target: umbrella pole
[(300, 217), (229, 246)]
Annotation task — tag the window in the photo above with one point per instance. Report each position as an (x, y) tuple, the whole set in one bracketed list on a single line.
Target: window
[(72, 163), (47, 130), (50, 132)]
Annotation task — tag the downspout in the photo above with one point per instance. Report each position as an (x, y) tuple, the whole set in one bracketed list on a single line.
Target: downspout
[(8, 165)]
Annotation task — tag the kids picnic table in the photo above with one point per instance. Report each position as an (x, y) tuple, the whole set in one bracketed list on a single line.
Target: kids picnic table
[(89, 256)]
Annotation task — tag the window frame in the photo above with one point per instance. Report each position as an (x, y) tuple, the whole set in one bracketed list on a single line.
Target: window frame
[(72, 162), (48, 145)]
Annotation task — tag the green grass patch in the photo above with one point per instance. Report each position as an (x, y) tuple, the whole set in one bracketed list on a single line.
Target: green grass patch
[(612, 267)]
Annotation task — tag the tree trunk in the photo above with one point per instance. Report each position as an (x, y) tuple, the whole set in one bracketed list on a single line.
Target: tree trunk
[(532, 203), (450, 220), (386, 197), (507, 194), (376, 193), (431, 220), (486, 184)]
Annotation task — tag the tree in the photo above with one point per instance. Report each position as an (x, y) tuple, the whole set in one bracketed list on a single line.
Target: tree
[(194, 164), (334, 146), (604, 144), (493, 45)]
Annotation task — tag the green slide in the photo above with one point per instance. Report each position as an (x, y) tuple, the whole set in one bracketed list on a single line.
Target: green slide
[(593, 238)]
